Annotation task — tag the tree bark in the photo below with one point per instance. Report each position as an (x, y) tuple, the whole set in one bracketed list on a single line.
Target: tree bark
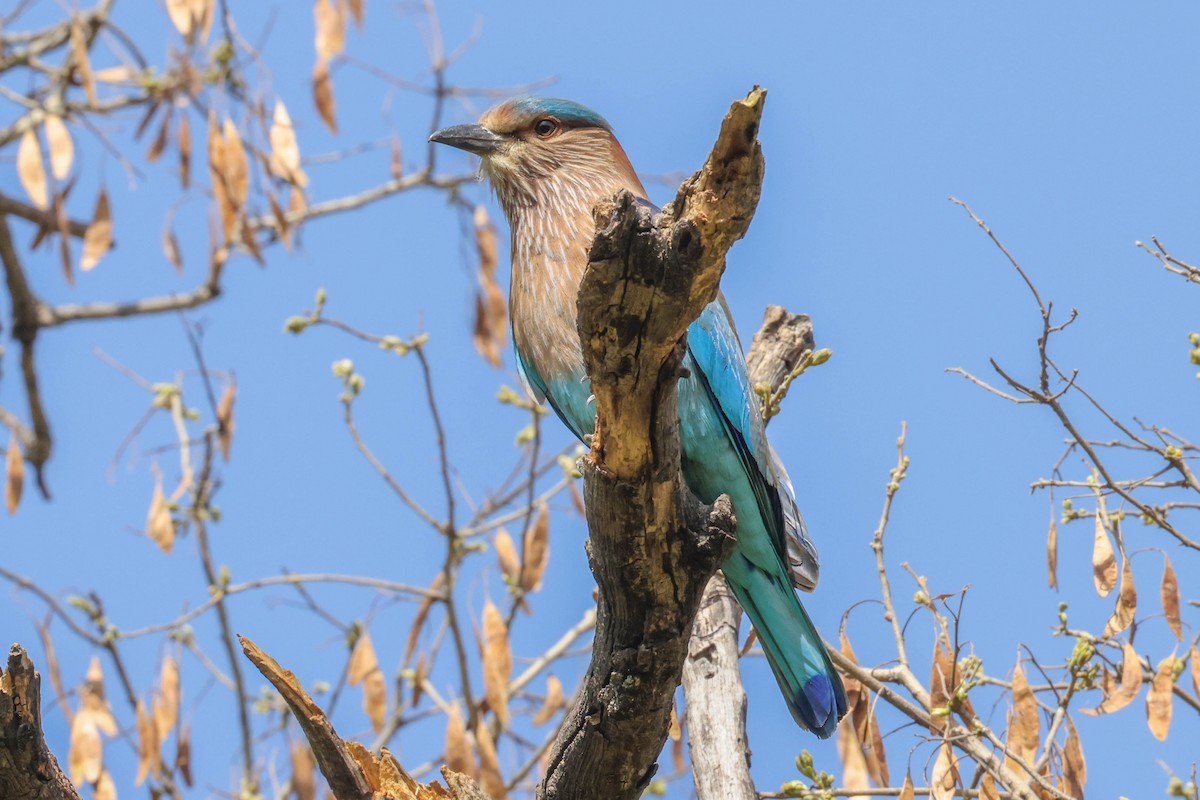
[(28, 770), (652, 545), (712, 681)]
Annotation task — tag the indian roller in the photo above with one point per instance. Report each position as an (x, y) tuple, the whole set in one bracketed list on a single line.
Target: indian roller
[(550, 161)]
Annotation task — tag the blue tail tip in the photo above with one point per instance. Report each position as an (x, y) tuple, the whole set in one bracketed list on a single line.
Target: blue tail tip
[(819, 708)]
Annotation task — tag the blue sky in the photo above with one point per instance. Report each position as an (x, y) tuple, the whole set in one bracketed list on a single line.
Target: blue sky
[(1069, 127)]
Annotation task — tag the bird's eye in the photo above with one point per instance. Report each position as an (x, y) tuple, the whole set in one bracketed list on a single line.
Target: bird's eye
[(546, 127)]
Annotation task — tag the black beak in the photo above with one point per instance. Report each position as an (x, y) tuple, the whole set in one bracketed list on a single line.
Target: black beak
[(472, 138)]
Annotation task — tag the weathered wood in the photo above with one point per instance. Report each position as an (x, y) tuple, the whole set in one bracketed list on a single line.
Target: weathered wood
[(716, 701), (28, 770), (652, 545), (352, 771), (712, 682)]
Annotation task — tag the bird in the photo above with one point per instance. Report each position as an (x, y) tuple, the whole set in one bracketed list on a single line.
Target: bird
[(549, 162)]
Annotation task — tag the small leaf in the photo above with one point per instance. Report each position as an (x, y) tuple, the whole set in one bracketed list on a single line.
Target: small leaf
[(97, 239), (854, 766), (458, 747), (506, 556), (906, 791), (170, 247), (225, 419), (1052, 552), (285, 151), (14, 474), (304, 782), (185, 151), (1074, 765), (180, 12), (497, 661), (491, 310), (364, 668), (149, 757), (1195, 659), (489, 764), (554, 701), (363, 660), (1159, 699), (420, 676), (190, 17), (1169, 592), (159, 526), (940, 682), (943, 781), (1124, 694), (160, 140), (30, 170), (536, 552), (183, 755), (83, 65), (235, 173), (1126, 607), (117, 75), (85, 758), (166, 712), (62, 148), (1027, 719), (421, 615), (395, 165), (331, 29), (322, 86), (105, 789), (1104, 562)]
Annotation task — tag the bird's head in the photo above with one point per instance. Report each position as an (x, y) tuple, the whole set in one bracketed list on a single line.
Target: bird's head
[(533, 148)]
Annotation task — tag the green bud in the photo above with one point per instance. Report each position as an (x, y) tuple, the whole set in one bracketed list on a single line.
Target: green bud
[(356, 382), (821, 356), (1175, 787), (508, 395), (657, 788), (83, 604), (1194, 338), (570, 467), (526, 434), (343, 368), (295, 324), (920, 598), (321, 687), (804, 763), (322, 296), (793, 789)]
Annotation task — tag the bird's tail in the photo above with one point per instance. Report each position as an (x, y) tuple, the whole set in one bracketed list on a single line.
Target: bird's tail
[(794, 649)]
